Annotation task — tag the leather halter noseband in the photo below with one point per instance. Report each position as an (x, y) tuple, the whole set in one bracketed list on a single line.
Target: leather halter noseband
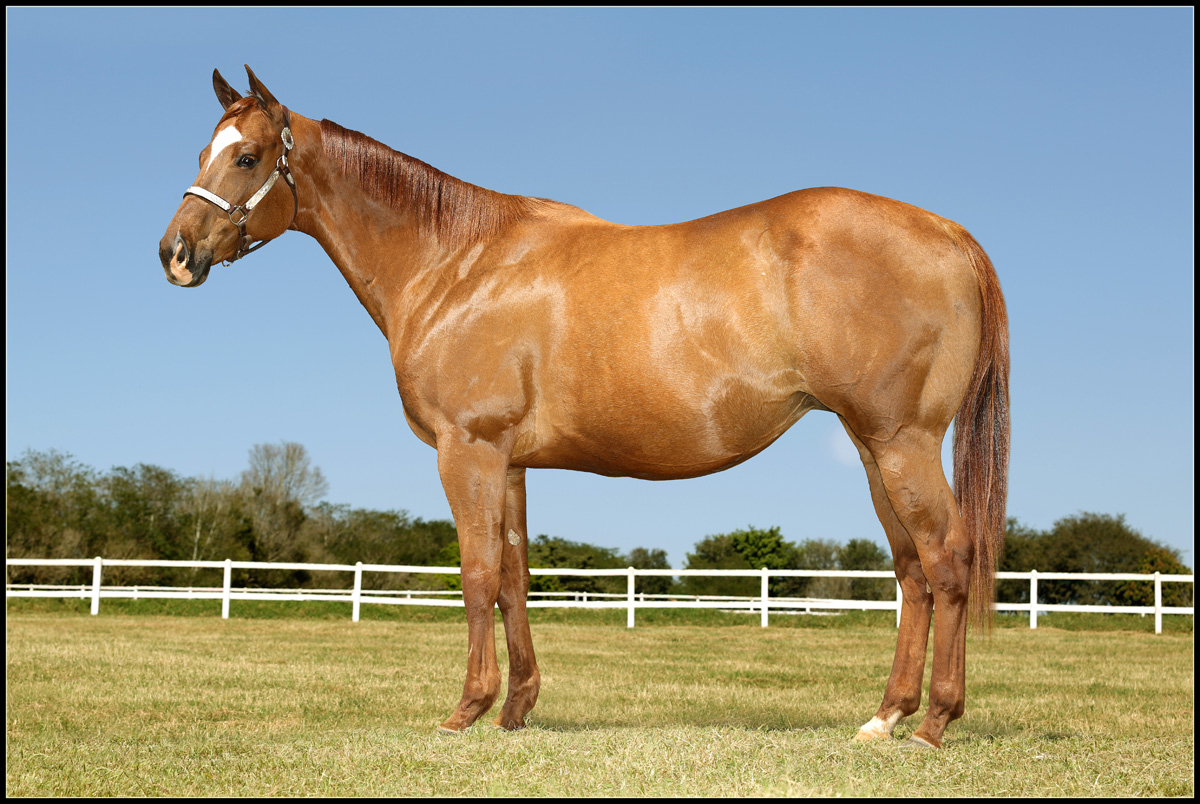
[(239, 213)]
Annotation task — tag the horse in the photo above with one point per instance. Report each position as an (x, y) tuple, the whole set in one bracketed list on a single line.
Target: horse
[(527, 333)]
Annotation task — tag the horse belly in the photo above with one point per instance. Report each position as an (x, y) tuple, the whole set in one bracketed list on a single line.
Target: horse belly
[(667, 432)]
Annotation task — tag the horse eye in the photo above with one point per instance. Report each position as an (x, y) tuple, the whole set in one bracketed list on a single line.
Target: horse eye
[(247, 162)]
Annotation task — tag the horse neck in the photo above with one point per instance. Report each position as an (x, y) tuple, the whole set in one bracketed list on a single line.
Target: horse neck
[(386, 220)]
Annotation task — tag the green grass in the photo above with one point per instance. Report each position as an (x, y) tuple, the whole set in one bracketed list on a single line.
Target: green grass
[(139, 702)]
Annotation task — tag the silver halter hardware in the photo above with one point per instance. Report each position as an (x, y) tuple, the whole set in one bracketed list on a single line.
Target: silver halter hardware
[(239, 213)]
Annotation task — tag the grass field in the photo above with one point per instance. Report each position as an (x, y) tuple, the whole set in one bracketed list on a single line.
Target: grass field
[(141, 702)]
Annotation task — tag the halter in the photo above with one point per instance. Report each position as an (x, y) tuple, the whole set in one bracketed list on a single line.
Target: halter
[(238, 214)]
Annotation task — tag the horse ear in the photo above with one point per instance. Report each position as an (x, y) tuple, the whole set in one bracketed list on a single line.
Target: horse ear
[(266, 100), (225, 93)]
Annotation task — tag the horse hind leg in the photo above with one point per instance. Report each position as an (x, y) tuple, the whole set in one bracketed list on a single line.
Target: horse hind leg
[(524, 680), (902, 696), (911, 473)]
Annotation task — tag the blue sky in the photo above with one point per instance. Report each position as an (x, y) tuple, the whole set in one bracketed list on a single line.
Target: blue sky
[(1062, 139)]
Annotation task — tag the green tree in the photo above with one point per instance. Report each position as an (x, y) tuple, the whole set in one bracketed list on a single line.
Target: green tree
[(215, 523), (553, 551), (140, 516), (763, 548), (1141, 593), (450, 556), (864, 554), (52, 504), (641, 558), (1024, 550), (717, 552), (1086, 542), (276, 488), (1089, 542), (767, 548), (349, 534), (819, 554)]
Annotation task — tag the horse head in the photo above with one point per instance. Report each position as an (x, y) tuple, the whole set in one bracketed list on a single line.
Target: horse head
[(247, 154)]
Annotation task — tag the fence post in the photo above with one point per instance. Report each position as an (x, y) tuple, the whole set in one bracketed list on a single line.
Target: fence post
[(96, 585), (225, 586), (357, 594), (1157, 603), (764, 597), (629, 619), (1033, 599), (899, 602)]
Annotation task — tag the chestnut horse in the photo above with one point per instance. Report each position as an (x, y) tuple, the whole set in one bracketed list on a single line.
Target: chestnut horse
[(527, 333)]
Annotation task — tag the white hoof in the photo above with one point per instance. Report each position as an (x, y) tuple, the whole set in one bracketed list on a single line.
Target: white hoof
[(877, 729)]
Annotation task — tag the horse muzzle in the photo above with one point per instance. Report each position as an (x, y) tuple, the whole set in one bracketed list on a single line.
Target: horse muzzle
[(182, 267)]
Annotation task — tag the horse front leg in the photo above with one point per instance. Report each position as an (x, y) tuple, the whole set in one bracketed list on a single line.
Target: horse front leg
[(524, 680), (473, 475)]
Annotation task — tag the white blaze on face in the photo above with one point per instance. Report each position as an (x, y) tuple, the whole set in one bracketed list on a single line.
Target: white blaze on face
[(225, 137)]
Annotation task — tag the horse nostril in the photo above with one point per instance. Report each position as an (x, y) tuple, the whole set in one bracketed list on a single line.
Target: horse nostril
[(180, 258)]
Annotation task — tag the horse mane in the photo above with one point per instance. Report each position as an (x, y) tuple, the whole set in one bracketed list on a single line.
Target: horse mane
[(455, 211)]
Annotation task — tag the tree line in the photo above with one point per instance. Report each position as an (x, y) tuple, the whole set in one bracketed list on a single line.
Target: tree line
[(1090, 542), (274, 511)]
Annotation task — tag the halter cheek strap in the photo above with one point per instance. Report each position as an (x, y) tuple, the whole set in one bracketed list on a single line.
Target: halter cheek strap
[(239, 213)]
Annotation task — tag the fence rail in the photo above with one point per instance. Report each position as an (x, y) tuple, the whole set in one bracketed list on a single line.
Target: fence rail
[(631, 601)]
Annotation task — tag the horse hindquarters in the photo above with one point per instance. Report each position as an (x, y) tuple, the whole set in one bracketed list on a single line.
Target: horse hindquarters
[(900, 311), (947, 355)]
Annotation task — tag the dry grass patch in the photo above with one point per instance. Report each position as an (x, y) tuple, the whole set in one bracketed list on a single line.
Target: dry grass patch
[(188, 706)]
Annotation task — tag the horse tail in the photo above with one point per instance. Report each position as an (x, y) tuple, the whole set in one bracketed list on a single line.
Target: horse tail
[(981, 436)]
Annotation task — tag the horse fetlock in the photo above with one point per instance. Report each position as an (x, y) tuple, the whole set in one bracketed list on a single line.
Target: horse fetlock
[(511, 720), (465, 715), (947, 701), (908, 705), (478, 697), (934, 726), (522, 696), (482, 694)]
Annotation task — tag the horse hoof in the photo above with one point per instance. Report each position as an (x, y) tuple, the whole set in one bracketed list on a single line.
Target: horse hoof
[(920, 744), (443, 729), (509, 726), (867, 736), (877, 729)]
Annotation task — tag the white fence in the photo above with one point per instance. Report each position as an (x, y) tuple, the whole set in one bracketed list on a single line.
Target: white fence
[(630, 601)]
